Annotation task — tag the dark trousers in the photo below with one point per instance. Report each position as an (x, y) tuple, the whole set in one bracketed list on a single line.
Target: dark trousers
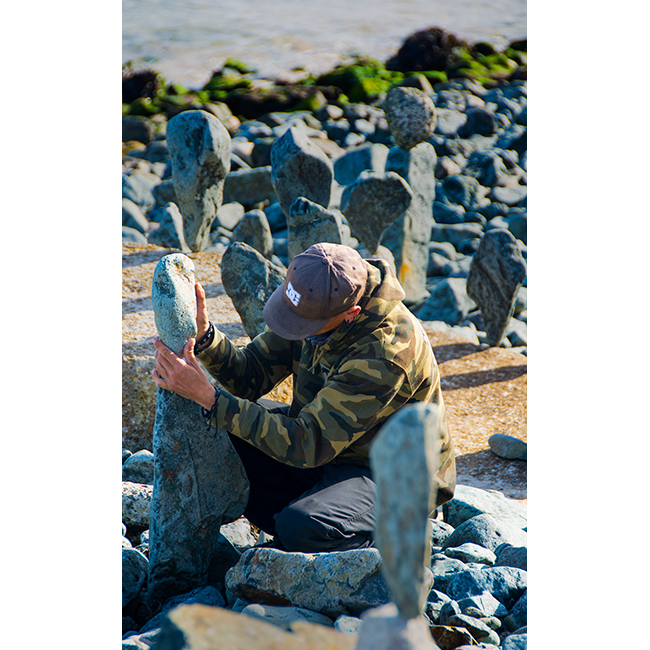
[(328, 508)]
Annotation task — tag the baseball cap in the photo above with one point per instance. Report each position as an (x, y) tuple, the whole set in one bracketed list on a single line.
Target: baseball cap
[(323, 282)]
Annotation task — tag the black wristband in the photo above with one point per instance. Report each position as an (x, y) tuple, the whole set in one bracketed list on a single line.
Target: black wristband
[(205, 341), (209, 413)]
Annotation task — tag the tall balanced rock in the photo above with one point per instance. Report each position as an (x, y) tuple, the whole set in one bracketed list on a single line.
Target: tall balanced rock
[(300, 168), (404, 460), (495, 275), (372, 203), (309, 224), (408, 238), (249, 280), (199, 148), (199, 481)]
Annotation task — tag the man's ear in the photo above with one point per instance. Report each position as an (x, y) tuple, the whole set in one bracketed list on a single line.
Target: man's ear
[(351, 313)]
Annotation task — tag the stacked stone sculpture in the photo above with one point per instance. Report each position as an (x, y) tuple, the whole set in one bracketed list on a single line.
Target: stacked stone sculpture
[(310, 223), (495, 275), (199, 481), (404, 460), (199, 148)]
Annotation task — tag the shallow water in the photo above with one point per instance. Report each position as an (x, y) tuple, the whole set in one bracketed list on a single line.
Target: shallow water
[(186, 40)]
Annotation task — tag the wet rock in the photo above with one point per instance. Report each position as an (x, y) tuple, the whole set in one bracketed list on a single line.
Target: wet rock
[(249, 279), (300, 169), (199, 147), (497, 271), (309, 224), (372, 203)]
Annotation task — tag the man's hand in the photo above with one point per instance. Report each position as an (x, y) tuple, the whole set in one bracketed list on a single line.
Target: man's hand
[(184, 376), (202, 321)]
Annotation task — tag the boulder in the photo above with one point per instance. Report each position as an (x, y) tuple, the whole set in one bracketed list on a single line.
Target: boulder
[(448, 302), (136, 499), (170, 232), (311, 223), (488, 532), (254, 230), (138, 187), (411, 116), (249, 186), (471, 501), (508, 446), (506, 584), (138, 468), (134, 574), (199, 147), (366, 157), (470, 552)]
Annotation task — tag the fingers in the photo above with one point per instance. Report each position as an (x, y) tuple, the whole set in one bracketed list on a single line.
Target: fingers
[(202, 320)]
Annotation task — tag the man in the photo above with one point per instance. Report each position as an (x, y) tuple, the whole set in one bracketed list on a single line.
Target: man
[(356, 353)]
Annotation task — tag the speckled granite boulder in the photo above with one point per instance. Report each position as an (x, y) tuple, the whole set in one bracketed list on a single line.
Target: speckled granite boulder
[(411, 116), (136, 499), (199, 147)]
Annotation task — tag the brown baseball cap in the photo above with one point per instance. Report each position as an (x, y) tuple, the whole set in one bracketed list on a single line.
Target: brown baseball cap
[(323, 282)]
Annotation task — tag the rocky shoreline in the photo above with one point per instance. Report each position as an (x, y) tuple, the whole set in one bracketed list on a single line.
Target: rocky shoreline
[(477, 593)]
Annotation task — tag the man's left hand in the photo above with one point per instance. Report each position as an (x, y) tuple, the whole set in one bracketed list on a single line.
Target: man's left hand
[(183, 376)]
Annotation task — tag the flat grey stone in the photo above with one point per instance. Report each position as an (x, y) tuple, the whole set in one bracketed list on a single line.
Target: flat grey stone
[(486, 603), (409, 236), (404, 461), (309, 224), (470, 501), (138, 468), (384, 628), (199, 147), (199, 481), (488, 532), (366, 157), (497, 271), (249, 279), (508, 447), (372, 203), (411, 116), (254, 230), (454, 233), (506, 584), (300, 168), (283, 617), (134, 574), (448, 302), (469, 552)]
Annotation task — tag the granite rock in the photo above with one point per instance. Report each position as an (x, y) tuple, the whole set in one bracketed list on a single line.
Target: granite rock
[(249, 279), (488, 532), (366, 157), (411, 116), (448, 302), (199, 147), (300, 168), (136, 499), (506, 584), (134, 574), (470, 501), (497, 271), (249, 186), (254, 230), (138, 468), (309, 224), (372, 203)]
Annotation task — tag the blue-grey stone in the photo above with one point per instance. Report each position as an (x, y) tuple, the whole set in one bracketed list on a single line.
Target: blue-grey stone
[(134, 574), (138, 128), (132, 235), (139, 468), (449, 609), (489, 167), (443, 248), (479, 121), (199, 146), (409, 235), (475, 217), (438, 266), (510, 194), (508, 446), (488, 532), (486, 603), (373, 202), (515, 556), (518, 617), (249, 279), (454, 233), (404, 461), (514, 138), (470, 501), (347, 624), (254, 230), (138, 187), (517, 332), (444, 568), (199, 481), (435, 602), (136, 502), (309, 224), (170, 232), (448, 213), (448, 302), (133, 217), (515, 642), (467, 247), (366, 157), (276, 218), (283, 616), (449, 121), (497, 222), (479, 630), (440, 530), (164, 193), (506, 584), (469, 552), (157, 151), (300, 168), (518, 226), (228, 216), (249, 186), (497, 271), (464, 190)]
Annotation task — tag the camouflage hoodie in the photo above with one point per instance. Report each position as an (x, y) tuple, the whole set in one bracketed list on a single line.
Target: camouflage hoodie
[(343, 390)]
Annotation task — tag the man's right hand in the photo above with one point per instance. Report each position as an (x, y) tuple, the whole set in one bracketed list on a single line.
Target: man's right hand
[(202, 320)]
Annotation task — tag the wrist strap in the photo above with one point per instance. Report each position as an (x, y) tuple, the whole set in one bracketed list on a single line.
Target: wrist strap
[(207, 414)]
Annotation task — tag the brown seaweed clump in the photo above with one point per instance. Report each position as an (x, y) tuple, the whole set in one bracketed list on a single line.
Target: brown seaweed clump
[(428, 49)]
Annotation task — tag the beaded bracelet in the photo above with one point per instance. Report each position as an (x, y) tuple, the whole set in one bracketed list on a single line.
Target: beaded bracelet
[(205, 340)]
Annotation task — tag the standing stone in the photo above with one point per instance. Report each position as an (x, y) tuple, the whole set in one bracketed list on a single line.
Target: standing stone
[(254, 230), (497, 271), (309, 224), (372, 203), (408, 238), (404, 459), (199, 147), (367, 157), (199, 481), (300, 168), (249, 280), (411, 116)]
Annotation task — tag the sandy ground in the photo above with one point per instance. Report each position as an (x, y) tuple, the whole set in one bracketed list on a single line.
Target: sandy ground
[(484, 389)]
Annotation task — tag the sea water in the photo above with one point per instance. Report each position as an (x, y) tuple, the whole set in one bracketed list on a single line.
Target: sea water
[(186, 40)]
